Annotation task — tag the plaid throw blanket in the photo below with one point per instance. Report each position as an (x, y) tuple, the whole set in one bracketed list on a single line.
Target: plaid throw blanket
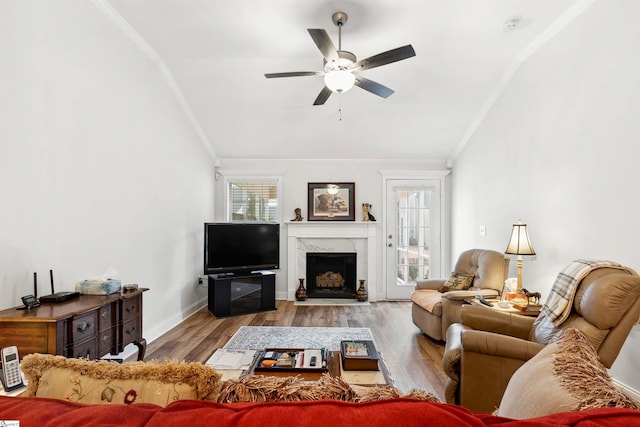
[(560, 300)]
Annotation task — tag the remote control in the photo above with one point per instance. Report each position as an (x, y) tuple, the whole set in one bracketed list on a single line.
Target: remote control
[(313, 361), (485, 302)]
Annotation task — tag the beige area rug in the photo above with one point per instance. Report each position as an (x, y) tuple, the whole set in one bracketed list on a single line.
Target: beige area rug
[(261, 337)]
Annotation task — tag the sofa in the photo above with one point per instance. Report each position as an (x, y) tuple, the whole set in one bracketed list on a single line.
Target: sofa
[(436, 303), (73, 392), (43, 412)]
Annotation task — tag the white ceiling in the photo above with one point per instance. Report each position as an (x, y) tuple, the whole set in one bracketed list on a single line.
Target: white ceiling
[(216, 53)]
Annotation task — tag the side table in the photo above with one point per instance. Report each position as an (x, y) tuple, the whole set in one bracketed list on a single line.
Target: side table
[(496, 307)]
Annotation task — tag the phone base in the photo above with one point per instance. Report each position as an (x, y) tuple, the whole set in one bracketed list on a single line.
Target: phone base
[(10, 389)]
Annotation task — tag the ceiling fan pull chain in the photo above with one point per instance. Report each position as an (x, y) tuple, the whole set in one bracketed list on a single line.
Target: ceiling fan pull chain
[(340, 108)]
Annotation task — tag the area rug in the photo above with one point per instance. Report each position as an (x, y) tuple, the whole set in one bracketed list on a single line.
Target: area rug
[(261, 337)]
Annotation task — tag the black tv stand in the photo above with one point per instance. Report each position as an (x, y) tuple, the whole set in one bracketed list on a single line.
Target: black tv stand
[(243, 293)]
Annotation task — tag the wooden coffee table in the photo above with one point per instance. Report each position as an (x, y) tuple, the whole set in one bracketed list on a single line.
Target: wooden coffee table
[(334, 365)]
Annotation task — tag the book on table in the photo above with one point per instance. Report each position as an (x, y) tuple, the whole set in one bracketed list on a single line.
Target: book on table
[(359, 355), (528, 308)]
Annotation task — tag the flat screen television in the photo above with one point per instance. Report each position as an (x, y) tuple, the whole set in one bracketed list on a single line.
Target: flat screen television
[(241, 247)]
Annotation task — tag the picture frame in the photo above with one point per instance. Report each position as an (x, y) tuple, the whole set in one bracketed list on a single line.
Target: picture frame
[(323, 206)]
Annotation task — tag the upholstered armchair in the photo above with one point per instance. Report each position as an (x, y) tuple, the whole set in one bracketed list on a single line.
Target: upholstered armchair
[(434, 306), (488, 346)]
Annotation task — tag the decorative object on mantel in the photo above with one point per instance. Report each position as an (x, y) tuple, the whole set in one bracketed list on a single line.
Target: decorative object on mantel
[(366, 212), (301, 292), (362, 294), (298, 213), (331, 201)]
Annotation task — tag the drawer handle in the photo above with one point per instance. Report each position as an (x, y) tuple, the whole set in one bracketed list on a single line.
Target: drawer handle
[(82, 327), (131, 308), (105, 337), (131, 329)]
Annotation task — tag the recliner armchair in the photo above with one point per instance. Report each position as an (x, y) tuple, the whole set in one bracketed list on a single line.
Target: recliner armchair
[(433, 311), (487, 347)]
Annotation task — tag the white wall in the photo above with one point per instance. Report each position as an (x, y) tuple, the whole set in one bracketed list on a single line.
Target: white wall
[(99, 166), (559, 150)]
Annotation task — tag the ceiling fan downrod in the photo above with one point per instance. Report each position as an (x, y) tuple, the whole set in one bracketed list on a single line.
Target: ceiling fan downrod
[(339, 19)]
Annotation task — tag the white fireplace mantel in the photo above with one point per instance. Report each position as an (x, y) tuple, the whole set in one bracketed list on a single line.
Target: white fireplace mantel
[(332, 236)]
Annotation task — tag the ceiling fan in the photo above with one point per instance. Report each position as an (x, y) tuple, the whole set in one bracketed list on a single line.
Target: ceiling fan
[(340, 66)]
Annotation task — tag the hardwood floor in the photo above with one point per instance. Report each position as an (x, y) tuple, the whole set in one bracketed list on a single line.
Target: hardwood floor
[(414, 360)]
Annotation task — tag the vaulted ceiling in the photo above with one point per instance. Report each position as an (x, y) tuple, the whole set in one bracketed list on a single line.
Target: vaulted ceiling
[(215, 54)]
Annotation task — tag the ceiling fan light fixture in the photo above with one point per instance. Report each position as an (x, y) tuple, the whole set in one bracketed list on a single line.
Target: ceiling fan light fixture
[(341, 66), (339, 80)]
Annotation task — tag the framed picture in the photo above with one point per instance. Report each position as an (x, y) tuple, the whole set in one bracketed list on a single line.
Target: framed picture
[(331, 201)]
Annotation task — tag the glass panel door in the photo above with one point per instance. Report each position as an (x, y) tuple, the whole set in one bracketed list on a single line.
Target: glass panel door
[(413, 234)]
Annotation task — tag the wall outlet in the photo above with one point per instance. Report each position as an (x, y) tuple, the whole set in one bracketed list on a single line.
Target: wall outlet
[(203, 280), (483, 230)]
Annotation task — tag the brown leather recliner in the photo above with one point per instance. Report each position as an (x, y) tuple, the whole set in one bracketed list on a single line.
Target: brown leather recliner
[(488, 346), (433, 311)]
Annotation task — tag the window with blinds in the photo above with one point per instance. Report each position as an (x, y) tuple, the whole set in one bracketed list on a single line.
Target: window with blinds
[(252, 200)]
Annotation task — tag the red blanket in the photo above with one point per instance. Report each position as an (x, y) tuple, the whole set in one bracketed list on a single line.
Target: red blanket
[(42, 412)]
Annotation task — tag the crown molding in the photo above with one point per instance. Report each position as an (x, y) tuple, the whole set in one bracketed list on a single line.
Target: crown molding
[(558, 25), (138, 41)]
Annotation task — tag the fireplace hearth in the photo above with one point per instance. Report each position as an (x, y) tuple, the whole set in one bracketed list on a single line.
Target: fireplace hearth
[(331, 275)]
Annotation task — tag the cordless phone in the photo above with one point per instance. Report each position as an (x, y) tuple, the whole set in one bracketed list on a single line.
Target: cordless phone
[(11, 377)]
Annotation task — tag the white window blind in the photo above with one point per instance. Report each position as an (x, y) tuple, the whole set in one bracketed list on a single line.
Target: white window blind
[(252, 200)]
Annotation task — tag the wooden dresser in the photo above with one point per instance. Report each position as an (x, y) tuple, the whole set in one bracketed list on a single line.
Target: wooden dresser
[(89, 326)]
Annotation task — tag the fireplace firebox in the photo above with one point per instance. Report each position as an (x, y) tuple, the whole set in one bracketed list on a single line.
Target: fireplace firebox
[(331, 275)]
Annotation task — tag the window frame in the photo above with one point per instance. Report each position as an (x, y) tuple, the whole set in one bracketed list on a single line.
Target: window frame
[(251, 178)]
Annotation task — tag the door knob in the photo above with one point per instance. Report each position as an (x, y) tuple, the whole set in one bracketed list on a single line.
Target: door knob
[(390, 244)]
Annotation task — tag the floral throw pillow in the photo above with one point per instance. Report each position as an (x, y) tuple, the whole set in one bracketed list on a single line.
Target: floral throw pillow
[(104, 382), (457, 282)]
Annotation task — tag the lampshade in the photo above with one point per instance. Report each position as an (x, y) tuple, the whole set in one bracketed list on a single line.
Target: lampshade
[(339, 80), (519, 244)]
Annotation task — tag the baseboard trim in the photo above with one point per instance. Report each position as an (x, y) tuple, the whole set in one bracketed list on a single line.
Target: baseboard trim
[(634, 394), (158, 330), (330, 302)]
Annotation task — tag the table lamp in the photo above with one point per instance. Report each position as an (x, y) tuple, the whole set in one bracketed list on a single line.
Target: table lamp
[(519, 245)]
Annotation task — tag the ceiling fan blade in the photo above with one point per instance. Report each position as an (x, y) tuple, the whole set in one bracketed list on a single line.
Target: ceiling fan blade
[(322, 96), (393, 55), (373, 87), (324, 43), (293, 74)]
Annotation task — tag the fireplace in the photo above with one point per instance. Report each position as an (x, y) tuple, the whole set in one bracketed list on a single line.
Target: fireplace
[(333, 236), (331, 274)]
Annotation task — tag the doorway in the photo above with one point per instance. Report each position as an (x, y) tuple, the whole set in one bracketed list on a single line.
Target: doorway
[(413, 234)]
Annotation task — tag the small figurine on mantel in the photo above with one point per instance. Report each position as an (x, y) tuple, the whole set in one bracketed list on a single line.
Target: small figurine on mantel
[(366, 214), (298, 217)]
